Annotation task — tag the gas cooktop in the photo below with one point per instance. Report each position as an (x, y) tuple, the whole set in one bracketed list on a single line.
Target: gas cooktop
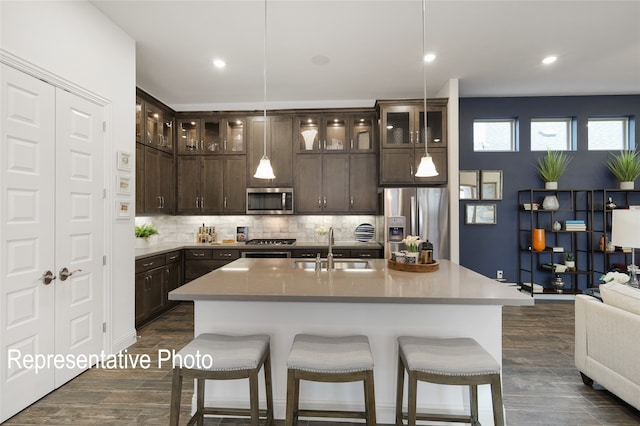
[(272, 241)]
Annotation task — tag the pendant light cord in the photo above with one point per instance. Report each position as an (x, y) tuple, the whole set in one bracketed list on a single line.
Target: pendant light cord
[(264, 78), (424, 70)]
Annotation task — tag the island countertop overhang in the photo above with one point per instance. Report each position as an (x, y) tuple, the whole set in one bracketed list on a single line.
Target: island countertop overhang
[(274, 280)]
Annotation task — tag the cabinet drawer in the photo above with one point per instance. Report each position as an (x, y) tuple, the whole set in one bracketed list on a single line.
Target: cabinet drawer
[(148, 263), (226, 254), (174, 256), (198, 254), (366, 253), (197, 269)]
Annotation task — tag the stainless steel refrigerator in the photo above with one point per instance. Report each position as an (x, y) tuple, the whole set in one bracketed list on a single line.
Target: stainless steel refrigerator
[(425, 212)]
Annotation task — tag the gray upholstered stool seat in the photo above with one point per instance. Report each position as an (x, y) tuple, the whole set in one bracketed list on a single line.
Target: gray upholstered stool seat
[(223, 357), (450, 361), (330, 359)]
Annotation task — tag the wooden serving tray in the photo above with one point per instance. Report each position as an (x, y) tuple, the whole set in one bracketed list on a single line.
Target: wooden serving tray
[(410, 267)]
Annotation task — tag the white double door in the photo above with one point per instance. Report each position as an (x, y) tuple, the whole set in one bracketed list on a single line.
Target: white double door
[(51, 217)]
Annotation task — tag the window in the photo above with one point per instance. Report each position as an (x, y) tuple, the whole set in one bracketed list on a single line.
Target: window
[(551, 134), (608, 133), (494, 135)]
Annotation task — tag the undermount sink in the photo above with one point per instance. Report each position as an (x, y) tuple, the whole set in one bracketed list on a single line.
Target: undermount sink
[(338, 264)]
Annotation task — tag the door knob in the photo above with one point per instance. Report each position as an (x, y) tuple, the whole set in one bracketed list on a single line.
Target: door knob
[(47, 277), (64, 273)]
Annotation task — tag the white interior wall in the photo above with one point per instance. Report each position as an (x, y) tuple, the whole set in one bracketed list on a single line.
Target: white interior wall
[(73, 43)]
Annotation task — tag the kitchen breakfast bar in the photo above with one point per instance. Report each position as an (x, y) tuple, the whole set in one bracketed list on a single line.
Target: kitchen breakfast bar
[(284, 297)]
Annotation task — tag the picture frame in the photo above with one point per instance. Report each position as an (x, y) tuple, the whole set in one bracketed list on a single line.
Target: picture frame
[(491, 188), (469, 180), (480, 214), (123, 184), (124, 161), (489, 191), (123, 209)]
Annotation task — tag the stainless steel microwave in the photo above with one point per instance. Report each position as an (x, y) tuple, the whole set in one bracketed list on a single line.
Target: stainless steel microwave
[(269, 200)]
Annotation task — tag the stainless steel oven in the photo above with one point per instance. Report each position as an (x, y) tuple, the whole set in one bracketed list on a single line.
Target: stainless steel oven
[(269, 200), (266, 254)]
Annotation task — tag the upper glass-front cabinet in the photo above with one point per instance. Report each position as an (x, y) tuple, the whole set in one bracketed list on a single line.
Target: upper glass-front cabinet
[(139, 119), (154, 126), (202, 136), (335, 133), (403, 126)]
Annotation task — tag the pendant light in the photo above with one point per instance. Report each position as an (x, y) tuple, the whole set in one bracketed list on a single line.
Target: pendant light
[(426, 167), (264, 171)]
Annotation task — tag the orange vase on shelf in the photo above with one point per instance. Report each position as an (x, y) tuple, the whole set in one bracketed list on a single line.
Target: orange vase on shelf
[(538, 242)]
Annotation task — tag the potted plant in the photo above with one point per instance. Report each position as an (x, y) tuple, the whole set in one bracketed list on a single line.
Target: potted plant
[(551, 167), (412, 243), (143, 232), (625, 166), (569, 262)]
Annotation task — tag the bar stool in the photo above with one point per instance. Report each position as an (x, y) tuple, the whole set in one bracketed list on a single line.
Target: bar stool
[(233, 357), (330, 359), (446, 361)]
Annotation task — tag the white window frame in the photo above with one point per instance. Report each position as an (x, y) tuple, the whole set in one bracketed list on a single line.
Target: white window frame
[(568, 144), (626, 136), (513, 130)]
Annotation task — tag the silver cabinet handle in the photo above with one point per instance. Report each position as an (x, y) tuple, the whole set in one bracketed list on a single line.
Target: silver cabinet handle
[(198, 254), (197, 202), (351, 143), (319, 202), (47, 277), (202, 202), (365, 255), (64, 273), (201, 144), (325, 202), (159, 202), (351, 201), (224, 145), (144, 265), (225, 202), (411, 170)]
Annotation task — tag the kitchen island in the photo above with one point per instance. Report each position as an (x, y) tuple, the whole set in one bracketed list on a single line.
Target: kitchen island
[(277, 297)]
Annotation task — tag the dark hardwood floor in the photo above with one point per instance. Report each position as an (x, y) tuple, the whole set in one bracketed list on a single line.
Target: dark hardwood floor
[(541, 383)]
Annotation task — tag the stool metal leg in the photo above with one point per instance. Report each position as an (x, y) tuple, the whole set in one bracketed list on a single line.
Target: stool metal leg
[(176, 396), (399, 392)]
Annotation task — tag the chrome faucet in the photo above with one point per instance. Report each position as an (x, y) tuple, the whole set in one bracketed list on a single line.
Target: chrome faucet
[(330, 253)]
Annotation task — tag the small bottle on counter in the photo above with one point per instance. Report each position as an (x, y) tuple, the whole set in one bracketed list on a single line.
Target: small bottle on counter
[(214, 235)]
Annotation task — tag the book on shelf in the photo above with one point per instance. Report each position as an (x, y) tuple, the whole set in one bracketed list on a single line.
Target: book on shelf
[(574, 222), (557, 249), (537, 288)]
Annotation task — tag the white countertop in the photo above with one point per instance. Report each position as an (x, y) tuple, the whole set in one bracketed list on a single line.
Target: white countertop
[(276, 280)]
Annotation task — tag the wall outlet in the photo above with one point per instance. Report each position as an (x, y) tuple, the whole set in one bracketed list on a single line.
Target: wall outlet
[(499, 274)]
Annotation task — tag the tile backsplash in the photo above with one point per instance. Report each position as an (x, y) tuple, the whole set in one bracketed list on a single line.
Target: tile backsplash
[(302, 228)]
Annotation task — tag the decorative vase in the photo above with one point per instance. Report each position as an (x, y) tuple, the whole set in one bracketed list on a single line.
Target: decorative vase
[(550, 202), (551, 185), (142, 242), (570, 264), (538, 242), (309, 137), (557, 226), (558, 284), (627, 185)]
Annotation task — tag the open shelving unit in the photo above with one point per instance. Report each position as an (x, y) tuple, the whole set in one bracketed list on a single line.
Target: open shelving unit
[(536, 267)]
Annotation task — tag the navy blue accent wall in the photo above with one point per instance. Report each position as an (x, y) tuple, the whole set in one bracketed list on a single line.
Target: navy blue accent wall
[(487, 248)]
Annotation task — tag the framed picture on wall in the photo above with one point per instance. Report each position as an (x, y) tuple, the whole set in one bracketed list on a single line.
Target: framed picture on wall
[(124, 161), (123, 184), (480, 214), (123, 209)]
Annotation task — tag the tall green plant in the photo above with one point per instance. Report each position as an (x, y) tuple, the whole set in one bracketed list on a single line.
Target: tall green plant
[(551, 167), (625, 166)]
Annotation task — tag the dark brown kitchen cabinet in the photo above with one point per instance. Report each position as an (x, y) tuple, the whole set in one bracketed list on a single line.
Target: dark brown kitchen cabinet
[(362, 133), (150, 288), (322, 133), (403, 136), (159, 122), (174, 273), (211, 184), (367, 253), (363, 183), (321, 183), (210, 135), (158, 182), (198, 262), (279, 150)]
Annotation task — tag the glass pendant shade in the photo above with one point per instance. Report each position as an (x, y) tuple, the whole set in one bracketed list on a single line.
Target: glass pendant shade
[(426, 167), (264, 171)]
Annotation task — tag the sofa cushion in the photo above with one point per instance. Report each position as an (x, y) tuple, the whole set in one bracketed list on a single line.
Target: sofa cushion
[(621, 296)]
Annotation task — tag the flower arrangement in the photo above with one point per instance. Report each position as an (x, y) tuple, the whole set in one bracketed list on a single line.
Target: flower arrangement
[(412, 243), (618, 277)]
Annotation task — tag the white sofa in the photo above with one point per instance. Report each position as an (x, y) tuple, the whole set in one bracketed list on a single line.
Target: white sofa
[(607, 340)]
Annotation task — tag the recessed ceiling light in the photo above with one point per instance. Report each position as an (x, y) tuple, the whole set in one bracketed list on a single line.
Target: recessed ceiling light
[(219, 63), (429, 57), (549, 60)]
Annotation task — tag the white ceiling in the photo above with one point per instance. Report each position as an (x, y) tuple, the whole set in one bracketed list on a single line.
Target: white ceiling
[(374, 49)]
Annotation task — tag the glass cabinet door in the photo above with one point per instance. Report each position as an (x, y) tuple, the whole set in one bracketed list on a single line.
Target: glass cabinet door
[(212, 143), (397, 127), (234, 136), (153, 125), (335, 134), (308, 138), (361, 134), (167, 132), (435, 131), (188, 136), (139, 119)]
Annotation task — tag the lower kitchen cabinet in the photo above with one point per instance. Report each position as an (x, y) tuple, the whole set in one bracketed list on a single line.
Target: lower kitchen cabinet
[(338, 253), (198, 262), (155, 277)]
